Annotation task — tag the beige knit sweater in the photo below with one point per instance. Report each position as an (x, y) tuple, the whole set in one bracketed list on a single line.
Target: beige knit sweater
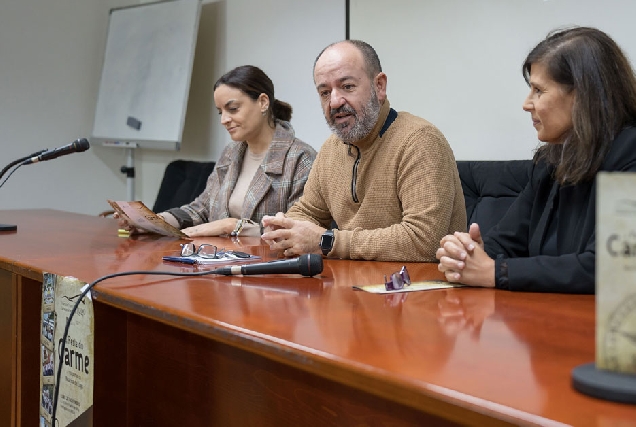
[(408, 189)]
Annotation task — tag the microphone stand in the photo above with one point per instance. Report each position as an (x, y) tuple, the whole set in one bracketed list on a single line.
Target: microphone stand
[(13, 227)]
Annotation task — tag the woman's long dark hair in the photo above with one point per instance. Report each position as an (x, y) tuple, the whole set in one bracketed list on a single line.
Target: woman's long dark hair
[(252, 81), (587, 61)]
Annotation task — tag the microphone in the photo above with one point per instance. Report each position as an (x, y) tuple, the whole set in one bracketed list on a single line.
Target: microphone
[(76, 146), (308, 265)]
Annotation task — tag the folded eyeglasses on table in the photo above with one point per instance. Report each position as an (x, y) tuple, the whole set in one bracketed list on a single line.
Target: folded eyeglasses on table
[(207, 254)]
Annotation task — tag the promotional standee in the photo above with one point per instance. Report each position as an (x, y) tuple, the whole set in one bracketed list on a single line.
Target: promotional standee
[(75, 394), (613, 375)]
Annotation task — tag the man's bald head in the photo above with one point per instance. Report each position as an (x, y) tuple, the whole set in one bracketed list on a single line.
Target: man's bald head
[(370, 59)]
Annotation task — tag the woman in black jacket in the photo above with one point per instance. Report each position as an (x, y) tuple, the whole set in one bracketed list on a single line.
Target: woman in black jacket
[(583, 105)]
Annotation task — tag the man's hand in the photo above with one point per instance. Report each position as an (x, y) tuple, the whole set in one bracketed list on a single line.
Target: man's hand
[(269, 222), (291, 236)]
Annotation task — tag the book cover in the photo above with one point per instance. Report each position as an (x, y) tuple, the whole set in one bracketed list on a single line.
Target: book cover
[(138, 215)]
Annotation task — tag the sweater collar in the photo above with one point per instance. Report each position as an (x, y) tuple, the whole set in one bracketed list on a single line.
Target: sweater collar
[(367, 141)]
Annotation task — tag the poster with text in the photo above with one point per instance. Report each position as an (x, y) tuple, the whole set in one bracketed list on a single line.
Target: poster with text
[(616, 272), (75, 400)]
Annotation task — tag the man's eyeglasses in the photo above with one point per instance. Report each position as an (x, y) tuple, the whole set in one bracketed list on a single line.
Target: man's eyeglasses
[(204, 250), (397, 280)]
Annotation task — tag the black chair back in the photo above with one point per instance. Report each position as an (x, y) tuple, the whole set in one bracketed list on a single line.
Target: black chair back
[(183, 181), (490, 187)]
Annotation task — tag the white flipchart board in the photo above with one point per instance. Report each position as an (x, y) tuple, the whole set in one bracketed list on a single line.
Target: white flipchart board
[(146, 74)]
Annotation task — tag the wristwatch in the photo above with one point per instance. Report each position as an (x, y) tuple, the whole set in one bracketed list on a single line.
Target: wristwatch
[(326, 241), (239, 226)]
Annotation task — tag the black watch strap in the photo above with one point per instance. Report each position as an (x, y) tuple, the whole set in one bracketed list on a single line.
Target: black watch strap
[(326, 241)]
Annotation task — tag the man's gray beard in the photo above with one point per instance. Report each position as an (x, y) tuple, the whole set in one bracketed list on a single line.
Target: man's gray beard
[(363, 124)]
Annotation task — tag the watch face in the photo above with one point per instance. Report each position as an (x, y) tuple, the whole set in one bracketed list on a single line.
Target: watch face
[(326, 242)]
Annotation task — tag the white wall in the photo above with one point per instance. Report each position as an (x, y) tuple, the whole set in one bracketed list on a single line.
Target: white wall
[(282, 37), (284, 41), (455, 62), (458, 62), (52, 55), (49, 71)]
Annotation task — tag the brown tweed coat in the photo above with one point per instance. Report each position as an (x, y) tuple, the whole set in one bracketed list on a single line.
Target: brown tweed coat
[(277, 184)]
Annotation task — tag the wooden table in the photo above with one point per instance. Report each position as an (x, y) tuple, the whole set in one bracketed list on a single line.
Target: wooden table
[(283, 350)]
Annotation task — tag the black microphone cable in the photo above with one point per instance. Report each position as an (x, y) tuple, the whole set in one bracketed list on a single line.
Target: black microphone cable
[(79, 300), (9, 176), (15, 162), (81, 297)]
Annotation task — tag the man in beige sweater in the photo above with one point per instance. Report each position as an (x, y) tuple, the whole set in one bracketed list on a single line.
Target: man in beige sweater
[(389, 180)]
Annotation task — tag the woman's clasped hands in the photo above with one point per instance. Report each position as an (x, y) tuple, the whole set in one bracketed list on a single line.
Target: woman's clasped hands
[(462, 259)]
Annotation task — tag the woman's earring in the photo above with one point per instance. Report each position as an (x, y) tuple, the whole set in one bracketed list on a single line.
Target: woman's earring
[(264, 112)]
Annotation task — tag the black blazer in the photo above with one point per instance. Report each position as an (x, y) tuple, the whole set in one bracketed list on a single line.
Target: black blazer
[(518, 242)]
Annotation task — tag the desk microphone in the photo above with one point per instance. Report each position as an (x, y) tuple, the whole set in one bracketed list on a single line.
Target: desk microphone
[(308, 265), (76, 146)]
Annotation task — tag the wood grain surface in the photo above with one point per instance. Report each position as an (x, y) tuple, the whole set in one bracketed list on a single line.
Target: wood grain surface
[(287, 350)]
